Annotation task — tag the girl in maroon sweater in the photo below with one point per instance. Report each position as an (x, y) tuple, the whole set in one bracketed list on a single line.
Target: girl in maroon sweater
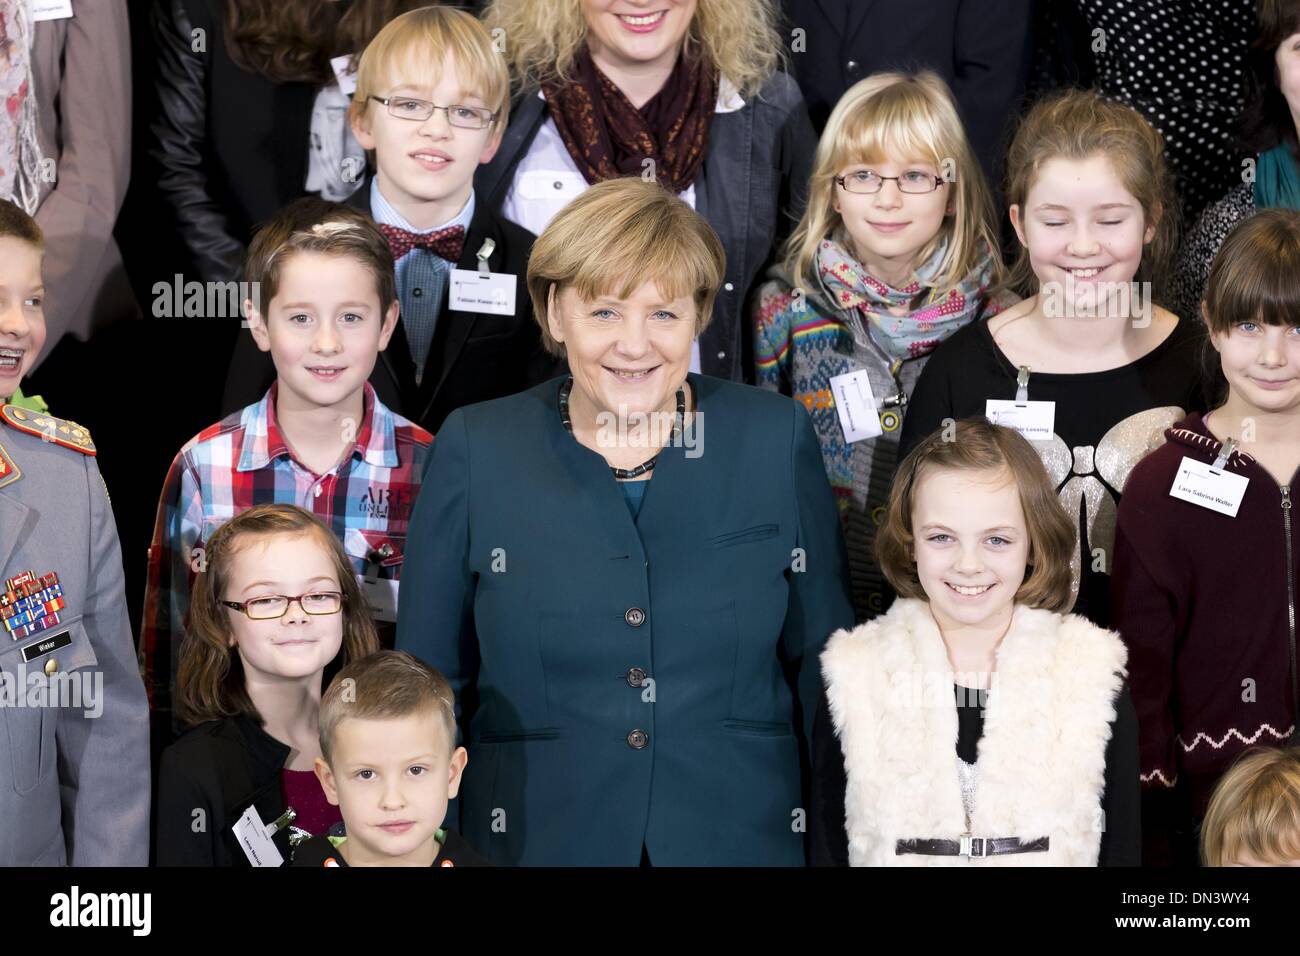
[(1207, 560)]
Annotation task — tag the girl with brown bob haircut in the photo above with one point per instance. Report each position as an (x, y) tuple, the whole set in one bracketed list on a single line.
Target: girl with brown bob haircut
[(1044, 774), (276, 611), (974, 444)]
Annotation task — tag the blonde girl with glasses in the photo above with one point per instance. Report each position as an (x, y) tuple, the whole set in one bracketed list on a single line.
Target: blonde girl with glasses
[(895, 252), (276, 610)]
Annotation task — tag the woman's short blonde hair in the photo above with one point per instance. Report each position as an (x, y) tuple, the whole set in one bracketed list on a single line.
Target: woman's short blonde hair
[(1255, 810), (410, 50), (905, 117), (619, 235), (976, 444), (738, 37)]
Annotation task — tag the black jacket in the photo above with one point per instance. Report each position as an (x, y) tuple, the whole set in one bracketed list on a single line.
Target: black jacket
[(981, 49), (232, 145), (474, 356), (206, 780), (455, 851)]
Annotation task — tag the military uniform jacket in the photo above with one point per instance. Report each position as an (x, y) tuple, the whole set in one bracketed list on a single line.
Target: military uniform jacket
[(74, 748)]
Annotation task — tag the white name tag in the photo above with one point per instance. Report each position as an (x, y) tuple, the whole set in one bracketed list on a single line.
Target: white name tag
[(472, 291), (255, 841), (1035, 420), (344, 73), (856, 405), (51, 10), (381, 595), (1219, 491)]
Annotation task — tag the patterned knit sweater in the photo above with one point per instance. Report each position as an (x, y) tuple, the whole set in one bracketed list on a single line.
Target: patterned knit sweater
[(801, 341)]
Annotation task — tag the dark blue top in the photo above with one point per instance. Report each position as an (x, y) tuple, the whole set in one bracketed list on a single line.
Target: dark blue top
[(634, 492)]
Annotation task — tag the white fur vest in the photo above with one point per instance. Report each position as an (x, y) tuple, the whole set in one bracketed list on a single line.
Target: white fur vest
[(1041, 759)]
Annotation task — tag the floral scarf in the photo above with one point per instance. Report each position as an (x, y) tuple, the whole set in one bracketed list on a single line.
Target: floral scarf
[(928, 321)]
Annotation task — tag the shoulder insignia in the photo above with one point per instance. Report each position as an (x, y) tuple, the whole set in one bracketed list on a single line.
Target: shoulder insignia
[(57, 430), (9, 472)]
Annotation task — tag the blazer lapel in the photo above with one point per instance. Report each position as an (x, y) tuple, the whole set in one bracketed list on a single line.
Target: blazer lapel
[(456, 326), (395, 360), (859, 11), (14, 520)]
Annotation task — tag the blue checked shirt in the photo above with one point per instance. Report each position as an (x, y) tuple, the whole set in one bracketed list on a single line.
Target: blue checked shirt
[(422, 276)]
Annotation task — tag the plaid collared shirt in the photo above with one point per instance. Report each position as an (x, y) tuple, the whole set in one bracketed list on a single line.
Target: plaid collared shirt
[(243, 461)]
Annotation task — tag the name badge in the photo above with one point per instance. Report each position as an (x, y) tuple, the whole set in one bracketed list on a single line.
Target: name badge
[(1035, 420), (345, 73), (1202, 485), (255, 841), (381, 595), (51, 10), (40, 648), (856, 405), (472, 291)]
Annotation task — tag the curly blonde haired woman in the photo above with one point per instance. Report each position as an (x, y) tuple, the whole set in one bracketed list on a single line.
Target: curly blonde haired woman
[(689, 92)]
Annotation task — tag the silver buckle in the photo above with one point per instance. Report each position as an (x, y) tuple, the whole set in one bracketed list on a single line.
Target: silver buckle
[(968, 848)]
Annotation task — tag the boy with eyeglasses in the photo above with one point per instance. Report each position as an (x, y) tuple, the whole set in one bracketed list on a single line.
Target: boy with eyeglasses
[(431, 103), (323, 307)]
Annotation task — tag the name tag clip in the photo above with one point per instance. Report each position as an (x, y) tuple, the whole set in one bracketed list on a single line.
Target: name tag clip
[(1221, 460), (484, 252), (1022, 387)]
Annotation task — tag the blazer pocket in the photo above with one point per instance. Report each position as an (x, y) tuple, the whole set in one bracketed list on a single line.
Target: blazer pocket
[(517, 736), (758, 728), (29, 697), (745, 535)]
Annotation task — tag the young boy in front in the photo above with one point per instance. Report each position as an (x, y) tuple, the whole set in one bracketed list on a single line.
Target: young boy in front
[(319, 438), (390, 763), (431, 104)]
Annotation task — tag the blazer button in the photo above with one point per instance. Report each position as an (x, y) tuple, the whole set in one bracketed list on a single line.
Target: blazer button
[(51, 666), (636, 677), (635, 617), (638, 739)]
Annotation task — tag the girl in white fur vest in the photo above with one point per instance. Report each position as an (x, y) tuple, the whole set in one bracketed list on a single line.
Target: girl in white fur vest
[(1037, 762)]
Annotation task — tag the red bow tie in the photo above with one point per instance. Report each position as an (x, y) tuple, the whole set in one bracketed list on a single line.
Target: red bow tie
[(448, 243)]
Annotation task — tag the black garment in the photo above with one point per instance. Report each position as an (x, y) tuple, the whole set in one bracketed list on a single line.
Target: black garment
[(1121, 841), (1182, 66), (232, 145), (981, 49), (474, 357), (206, 780), (456, 851), (969, 369)]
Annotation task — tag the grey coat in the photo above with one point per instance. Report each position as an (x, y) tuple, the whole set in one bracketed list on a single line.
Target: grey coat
[(752, 190), (74, 772)]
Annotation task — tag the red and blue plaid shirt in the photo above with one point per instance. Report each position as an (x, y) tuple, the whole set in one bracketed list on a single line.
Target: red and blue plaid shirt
[(243, 461)]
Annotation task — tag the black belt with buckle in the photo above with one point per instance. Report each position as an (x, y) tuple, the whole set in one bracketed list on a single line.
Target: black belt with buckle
[(974, 847)]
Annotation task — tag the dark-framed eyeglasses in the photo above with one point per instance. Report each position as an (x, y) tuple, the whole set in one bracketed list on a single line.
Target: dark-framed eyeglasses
[(913, 181), (277, 605), (464, 117)]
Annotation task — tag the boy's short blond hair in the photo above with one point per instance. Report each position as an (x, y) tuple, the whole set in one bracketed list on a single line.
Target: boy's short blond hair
[(618, 235), (412, 47), (384, 686), (1255, 809)]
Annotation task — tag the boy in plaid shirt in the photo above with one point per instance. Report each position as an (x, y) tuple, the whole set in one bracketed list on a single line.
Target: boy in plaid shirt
[(319, 438)]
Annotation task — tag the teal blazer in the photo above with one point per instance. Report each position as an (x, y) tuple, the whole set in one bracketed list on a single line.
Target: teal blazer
[(624, 683)]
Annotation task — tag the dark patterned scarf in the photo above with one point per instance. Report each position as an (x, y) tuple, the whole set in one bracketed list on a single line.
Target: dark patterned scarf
[(608, 137)]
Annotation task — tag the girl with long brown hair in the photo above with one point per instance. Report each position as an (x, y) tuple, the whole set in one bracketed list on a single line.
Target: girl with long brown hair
[(275, 610)]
